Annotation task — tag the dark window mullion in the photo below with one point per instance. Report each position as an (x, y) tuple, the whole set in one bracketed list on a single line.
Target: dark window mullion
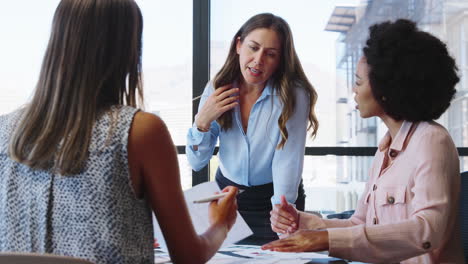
[(200, 65), (339, 151)]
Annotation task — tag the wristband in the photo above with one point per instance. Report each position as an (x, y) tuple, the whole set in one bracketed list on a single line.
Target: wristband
[(203, 129)]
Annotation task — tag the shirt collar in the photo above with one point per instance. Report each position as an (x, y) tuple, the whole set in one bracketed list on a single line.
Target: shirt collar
[(268, 90), (398, 142)]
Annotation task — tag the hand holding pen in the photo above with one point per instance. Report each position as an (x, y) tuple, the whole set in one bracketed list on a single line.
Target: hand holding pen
[(224, 210), (214, 197)]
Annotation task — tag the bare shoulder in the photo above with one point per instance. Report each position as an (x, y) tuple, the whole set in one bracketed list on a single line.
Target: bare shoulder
[(149, 144), (147, 131), (145, 122)]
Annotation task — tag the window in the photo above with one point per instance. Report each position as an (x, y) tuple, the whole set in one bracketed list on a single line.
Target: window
[(314, 47), (329, 58), (167, 60), (25, 28), (333, 182), (167, 68)]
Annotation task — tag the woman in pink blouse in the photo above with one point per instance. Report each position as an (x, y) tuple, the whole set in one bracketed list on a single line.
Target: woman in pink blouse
[(408, 211)]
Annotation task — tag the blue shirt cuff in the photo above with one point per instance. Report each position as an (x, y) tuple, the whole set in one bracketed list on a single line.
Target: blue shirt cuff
[(195, 136)]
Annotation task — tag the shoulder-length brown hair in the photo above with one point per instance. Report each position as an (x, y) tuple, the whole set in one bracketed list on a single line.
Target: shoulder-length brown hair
[(288, 77), (92, 61)]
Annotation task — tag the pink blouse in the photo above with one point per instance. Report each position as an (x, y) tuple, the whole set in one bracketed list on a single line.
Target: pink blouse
[(409, 210)]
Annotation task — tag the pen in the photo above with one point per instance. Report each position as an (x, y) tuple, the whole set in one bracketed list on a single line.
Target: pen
[(214, 197)]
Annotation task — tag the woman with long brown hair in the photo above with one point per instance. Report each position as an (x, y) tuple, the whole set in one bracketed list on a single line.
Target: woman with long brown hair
[(260, 106), (81, 167)]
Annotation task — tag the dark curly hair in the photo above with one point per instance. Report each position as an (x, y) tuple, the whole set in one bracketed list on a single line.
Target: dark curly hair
[(411, 74)]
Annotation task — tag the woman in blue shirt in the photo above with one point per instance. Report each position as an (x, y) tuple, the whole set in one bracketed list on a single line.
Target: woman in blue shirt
[(260, 105)]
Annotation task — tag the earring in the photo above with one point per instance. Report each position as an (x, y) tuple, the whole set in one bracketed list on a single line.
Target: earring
[(384, 98)]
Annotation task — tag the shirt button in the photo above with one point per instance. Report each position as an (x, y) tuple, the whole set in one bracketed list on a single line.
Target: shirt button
[(426, 245), (393, 153), (374, 221), (374, 188), (391, 200)]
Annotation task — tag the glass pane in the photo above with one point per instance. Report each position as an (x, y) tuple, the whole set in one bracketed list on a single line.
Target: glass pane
[(329, 50), (334, 183), (331, 70), (25, 32), (185, 172), (167, 68), (167, 63), (463, 164), (313, 45), (445, 19)]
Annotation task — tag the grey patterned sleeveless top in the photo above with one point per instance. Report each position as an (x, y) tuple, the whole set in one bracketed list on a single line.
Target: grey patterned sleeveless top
[(92, 215)]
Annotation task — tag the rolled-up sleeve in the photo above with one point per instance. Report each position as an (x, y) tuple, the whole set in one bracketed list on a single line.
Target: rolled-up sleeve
[(205, 141)]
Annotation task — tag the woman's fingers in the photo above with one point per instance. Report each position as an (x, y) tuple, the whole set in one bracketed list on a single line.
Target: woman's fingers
[(282, 218), (232, 192), (224, 101), (283, 213), (231, 199), (284, 202), (226, 189), (221, 100), (288, 249), (229, 100), (276, 229), (279, 223), (228, 103), (230, 188), (282, 228), (276, 244), (227, 94), (215, 106), (301, 241), (222, 89), (229, 106), (224, 210), (292, 229), (289, 244)]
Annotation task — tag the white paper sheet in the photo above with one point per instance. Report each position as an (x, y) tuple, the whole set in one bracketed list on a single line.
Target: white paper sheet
[(253, 251), (254, 254), (199, 215)]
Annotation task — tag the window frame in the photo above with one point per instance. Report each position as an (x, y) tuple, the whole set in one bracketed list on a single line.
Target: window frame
[(201, 75)]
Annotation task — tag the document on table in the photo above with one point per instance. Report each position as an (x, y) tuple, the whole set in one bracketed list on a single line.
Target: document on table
[(235, 254), (199, 215), (242, 254)]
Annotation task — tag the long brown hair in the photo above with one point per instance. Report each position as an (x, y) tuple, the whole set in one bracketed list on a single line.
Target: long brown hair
[(92, 61), (288, 77)]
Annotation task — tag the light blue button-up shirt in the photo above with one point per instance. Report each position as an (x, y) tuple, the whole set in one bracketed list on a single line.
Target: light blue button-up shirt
[(252, 158)]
